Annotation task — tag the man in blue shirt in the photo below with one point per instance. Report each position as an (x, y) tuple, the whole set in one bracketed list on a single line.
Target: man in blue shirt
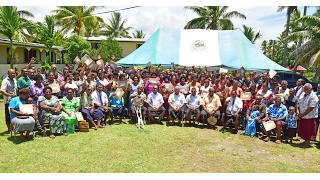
[(276, 112)]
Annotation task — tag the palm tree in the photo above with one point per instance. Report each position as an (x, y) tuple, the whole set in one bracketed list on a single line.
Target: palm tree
[(309, 52), (295, 26), (25, 14), (264, 47), (46, 34), (76, 18), (12, 23), (317, 11), (138, 34), (92, 28), (289, 9), (116, 28), (212, 17), (273, 48), (250, 34)]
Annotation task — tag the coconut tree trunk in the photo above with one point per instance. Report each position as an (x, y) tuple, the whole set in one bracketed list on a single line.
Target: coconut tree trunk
[(11, 55), (295, 62), (299, 44), (49, 54), (305, 10), (285, 44), (273, 50), (11, 59), (317, 74)]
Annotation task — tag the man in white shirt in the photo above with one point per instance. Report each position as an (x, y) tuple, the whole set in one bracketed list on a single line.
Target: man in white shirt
[(193, 102), (155, 102), (100, 100), (234, 107), (176, 106), (9, 89)]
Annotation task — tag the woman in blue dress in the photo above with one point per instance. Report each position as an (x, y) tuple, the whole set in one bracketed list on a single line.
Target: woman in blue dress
[(251, 124)]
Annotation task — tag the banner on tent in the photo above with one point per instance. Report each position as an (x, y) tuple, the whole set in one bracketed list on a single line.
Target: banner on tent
[(199, 48)]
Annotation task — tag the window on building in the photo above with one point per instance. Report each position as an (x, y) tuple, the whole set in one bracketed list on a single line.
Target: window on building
[(62, 58), (138, 45), (94, 45), (29, 54), (53, 57), (8, 61)]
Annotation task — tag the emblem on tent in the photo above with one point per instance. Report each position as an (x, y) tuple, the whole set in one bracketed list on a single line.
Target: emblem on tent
[(198, 45)]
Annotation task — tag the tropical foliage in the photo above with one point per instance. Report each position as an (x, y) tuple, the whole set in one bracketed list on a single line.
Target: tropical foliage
[(298, 44), (77, 19), (109, 47), (46, 34), (290, 9), (212, 17), (76, 46), (138, 34), (309, 52), (12, 23), (273, 49), (116, 27), (250, 34), (45, 65)]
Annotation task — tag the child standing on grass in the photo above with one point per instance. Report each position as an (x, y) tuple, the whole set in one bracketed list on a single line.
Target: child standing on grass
[(39, 127), (291, 121), (251, 124)]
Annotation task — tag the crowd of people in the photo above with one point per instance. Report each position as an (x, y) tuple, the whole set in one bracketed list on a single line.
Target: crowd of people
[(193, 95)]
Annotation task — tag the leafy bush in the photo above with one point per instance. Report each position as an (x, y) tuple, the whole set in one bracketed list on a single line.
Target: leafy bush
[(109, 47), (76, 46), (45, 65)]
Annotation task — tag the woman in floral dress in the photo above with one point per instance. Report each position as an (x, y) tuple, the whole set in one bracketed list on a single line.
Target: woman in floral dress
[(49, 110)]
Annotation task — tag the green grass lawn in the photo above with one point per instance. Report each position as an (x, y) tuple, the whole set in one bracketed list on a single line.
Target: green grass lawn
[(158, 149)]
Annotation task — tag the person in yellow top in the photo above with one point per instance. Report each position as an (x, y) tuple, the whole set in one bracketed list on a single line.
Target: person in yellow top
[(210, 106)]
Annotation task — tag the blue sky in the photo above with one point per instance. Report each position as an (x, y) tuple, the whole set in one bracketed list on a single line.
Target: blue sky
[(149, 18)]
